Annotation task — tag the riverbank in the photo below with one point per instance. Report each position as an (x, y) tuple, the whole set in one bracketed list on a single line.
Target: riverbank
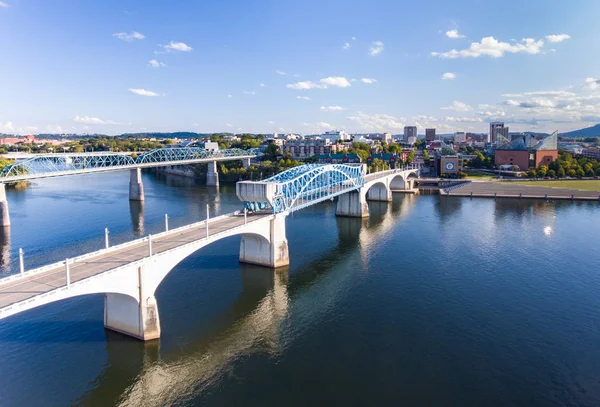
[(520, 190)]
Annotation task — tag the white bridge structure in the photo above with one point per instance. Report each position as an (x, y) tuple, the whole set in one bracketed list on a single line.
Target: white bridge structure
[(129, 274), (38, 166)]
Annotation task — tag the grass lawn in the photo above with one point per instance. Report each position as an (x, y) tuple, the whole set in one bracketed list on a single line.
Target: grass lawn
[(479, 175), (587, 185)]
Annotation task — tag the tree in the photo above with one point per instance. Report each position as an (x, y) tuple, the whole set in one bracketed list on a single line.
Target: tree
[(552, 174), (395, 148), (561, 172), (542, 171), (272, 151), (531, 173), (426, 156)]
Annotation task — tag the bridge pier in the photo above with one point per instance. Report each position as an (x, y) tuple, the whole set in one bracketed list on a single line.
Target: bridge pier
[(136, 187), (212, 176), (352, 204), (255, 249), (245, 162), (4, 215), (136, 317)]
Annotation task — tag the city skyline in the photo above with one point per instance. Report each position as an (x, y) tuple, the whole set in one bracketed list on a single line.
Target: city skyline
[(120, 67)]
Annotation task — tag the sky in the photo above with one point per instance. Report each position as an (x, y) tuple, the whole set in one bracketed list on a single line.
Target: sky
[(263, 66)]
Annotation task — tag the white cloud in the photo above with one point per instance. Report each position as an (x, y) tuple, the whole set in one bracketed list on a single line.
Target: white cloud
[(448, 75), (93, 120), (331, 108), (143, 92), (229, 125), (557, 37), (592, 83), (262, 85), (378, 122), (177, 46), (270, 122), (454, 34), (324, 83), (463, 119), (7, 127), (458, 106), (303, 97), (546, 93), (346, 46), (492, 47), (230, 96), (368, 80), (280, 72), (376, 48), (323, 125), (303, 85), (155, 64), (54, 128), (129, 37), (353, 38), (3, 4), (247, 92), (338, 81)]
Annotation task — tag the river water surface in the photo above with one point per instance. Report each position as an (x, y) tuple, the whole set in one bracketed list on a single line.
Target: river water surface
[(430, 302)]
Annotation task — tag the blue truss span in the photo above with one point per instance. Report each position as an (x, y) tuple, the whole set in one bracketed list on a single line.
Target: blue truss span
[(47, 165), (301, 186)]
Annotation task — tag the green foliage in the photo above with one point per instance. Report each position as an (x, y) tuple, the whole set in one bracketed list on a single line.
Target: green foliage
[(566, 165), (426, 156), (462, 175)]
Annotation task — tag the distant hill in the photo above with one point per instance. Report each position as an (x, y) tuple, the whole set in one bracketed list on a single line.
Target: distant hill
[(593, 131)]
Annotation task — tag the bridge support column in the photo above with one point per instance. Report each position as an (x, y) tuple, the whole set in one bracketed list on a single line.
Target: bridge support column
[(255, 249), (352, 204), (136, 188), (136, 317), (212, 176), (4, 215), (245, 162)]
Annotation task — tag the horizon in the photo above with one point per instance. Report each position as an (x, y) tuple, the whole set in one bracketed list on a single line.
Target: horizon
[(112, 68)]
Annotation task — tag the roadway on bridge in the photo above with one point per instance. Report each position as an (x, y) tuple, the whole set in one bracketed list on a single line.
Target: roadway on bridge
[(22, 289)]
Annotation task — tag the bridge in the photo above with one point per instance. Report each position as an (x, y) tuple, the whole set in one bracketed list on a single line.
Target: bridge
[(62, 164), (129, 274)]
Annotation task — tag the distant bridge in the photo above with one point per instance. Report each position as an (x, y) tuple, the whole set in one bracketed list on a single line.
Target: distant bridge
[(61, 164), (130, 273), (56, 165)]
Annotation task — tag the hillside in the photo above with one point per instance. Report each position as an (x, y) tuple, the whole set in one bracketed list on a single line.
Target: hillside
[(593, 131)]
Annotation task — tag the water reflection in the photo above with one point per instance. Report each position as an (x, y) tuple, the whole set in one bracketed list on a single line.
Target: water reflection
[(136, 211), (252, 323), (448, 208)]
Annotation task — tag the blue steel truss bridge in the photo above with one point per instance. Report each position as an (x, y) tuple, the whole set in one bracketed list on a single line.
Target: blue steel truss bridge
[(55, 165)]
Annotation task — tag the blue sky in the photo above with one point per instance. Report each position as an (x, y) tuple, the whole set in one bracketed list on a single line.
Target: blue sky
[(297, 66)]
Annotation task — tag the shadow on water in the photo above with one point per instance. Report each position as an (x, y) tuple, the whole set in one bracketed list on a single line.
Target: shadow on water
[(254, 319), (448, 208), (136, 211)]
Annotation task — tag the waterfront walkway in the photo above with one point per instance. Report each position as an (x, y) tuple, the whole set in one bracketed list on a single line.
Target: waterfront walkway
[(518, 190)]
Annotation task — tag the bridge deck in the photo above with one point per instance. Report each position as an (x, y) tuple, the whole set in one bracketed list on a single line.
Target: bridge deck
[(31, 286)]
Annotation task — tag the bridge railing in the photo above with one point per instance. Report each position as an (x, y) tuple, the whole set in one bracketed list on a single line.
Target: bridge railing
[(114, 248)]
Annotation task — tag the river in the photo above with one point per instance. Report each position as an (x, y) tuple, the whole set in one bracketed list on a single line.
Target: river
[(432, 301)]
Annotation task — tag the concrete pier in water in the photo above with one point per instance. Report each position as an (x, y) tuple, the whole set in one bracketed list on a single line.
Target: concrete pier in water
[(4, 215), (136, 187), (212, 176)]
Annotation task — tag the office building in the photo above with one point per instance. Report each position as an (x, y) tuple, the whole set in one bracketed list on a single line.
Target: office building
[(429, 135), (410, 131)]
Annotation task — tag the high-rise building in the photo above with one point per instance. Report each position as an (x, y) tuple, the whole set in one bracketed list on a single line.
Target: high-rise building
[(460, 137), (495, 128), (429, 135), (409, 131)]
